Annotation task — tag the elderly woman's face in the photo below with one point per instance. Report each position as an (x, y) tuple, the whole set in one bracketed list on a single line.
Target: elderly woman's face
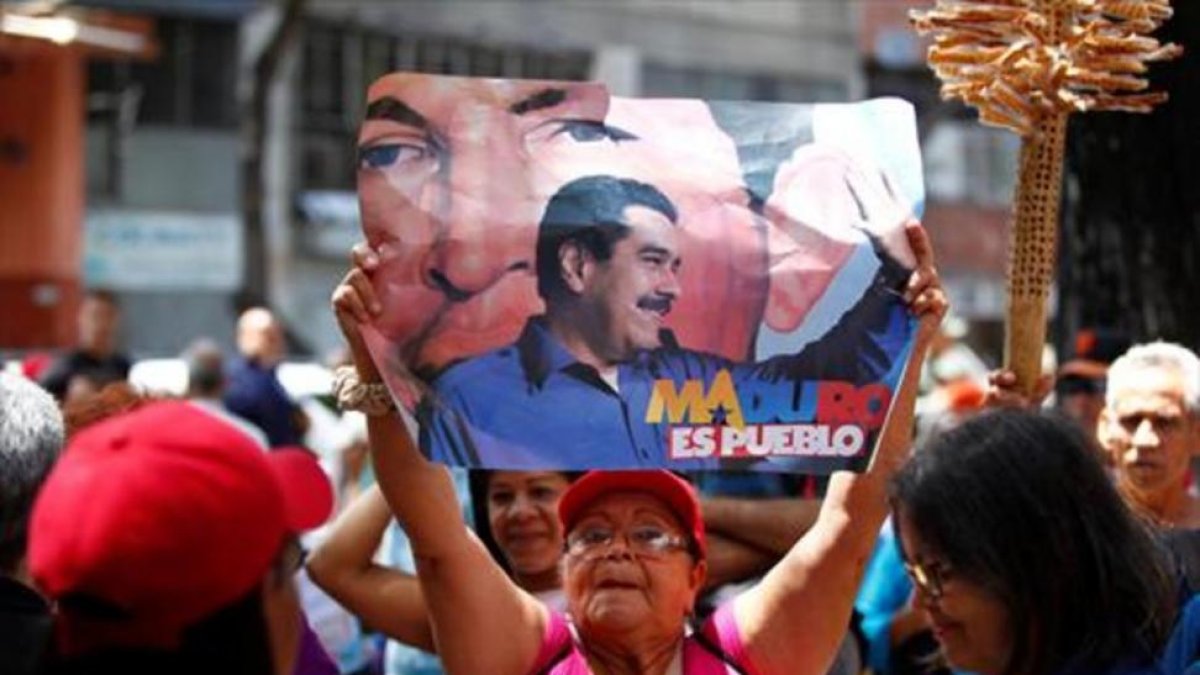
[(970, 621), (628, 566), (523, 515)]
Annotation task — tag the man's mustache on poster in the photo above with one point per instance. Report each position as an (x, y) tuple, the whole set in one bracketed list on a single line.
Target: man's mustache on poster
[(656, 303)]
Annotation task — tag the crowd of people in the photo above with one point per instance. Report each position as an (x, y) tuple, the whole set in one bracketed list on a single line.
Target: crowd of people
[(146, 533)]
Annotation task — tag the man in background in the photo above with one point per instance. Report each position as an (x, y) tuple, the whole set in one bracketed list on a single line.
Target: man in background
[(207, 382), (253, 390), (1079, 387), (1150, 430), (95, 361)]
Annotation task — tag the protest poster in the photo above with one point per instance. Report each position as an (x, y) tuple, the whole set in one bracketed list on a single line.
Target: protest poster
[(575, 280)]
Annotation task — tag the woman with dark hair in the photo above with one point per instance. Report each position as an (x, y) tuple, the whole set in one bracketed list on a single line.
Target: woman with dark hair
[(516, 516), (167, 540), (1026, 560)]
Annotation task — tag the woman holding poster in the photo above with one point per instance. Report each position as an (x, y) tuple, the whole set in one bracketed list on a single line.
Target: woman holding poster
[(636, 551)]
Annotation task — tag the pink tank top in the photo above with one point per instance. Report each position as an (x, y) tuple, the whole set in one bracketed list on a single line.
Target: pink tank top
[(716, 650)]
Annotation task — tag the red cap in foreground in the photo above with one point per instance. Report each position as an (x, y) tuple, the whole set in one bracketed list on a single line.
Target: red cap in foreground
[(164, 515)]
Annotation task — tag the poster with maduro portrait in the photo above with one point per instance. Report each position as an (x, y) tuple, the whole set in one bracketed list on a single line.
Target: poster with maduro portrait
[(574, 280)]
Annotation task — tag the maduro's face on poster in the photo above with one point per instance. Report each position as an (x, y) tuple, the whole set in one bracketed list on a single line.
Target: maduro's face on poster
[(676, 146), (630, 295), (454, 174)]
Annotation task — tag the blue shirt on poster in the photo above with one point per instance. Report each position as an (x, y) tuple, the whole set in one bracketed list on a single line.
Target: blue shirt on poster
[(533, 405)]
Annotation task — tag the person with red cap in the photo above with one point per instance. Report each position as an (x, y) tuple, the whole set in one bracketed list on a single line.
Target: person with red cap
[(636, 550), (167, 539)]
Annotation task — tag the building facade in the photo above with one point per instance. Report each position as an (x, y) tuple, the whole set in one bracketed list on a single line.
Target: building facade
[(164, 138)]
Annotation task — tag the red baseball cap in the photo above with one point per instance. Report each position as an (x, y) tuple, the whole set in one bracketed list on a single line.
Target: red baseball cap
[(163, 516), (675, 492)]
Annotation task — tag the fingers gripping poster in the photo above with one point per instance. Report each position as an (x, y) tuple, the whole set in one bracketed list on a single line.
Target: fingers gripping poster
[(576, 280)]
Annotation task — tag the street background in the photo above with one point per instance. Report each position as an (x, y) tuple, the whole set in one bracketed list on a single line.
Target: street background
[(197, 156)]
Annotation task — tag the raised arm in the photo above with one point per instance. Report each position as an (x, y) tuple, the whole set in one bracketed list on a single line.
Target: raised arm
[(343, 565), (793, 621), (464, 589)]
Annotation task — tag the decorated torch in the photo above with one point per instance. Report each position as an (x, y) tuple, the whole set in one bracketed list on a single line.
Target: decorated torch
[(1026, 65)]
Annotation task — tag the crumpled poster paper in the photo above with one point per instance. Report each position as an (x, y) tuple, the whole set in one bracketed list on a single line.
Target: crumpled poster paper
[(717, 286)]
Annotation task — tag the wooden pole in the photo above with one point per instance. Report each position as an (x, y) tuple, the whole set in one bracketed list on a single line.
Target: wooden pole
[(1032, 255), (1033, 251), (1026, 65)]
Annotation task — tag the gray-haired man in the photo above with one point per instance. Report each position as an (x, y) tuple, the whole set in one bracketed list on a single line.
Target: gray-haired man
[(31, 437), (1150, 430)]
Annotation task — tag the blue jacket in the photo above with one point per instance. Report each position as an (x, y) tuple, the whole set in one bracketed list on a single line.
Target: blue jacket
[(254, 393)]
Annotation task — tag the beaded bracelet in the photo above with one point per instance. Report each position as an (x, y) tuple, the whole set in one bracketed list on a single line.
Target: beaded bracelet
[(352, 393)]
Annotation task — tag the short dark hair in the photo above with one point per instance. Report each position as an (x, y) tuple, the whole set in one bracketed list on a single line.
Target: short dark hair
[(591, 212), (206, 368), (1017, 502), (234, 640)]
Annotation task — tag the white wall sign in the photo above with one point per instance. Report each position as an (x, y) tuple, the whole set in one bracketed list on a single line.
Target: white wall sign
[(138, 250)]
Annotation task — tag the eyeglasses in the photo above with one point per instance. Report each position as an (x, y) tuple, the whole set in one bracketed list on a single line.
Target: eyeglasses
[(930, 577), (645, 541)]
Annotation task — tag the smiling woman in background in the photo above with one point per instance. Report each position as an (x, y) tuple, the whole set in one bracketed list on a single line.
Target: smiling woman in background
[(1026, 560), (518, 515)]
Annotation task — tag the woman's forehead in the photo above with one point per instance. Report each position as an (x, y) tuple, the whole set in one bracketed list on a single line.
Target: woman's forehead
[(518, 478), (912, 544), (626, 505)]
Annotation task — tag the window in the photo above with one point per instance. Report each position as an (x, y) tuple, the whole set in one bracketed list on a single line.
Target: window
[(192, 83), (670, 81), (321, 79), (966, 162), (212, 80)]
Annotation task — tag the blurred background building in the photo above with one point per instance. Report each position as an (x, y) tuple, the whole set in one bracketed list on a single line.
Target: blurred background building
[(166, 218)]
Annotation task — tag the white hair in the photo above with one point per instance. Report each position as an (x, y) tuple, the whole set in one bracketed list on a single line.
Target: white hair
[(1157, 355), (31, 438), (30, 421)]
